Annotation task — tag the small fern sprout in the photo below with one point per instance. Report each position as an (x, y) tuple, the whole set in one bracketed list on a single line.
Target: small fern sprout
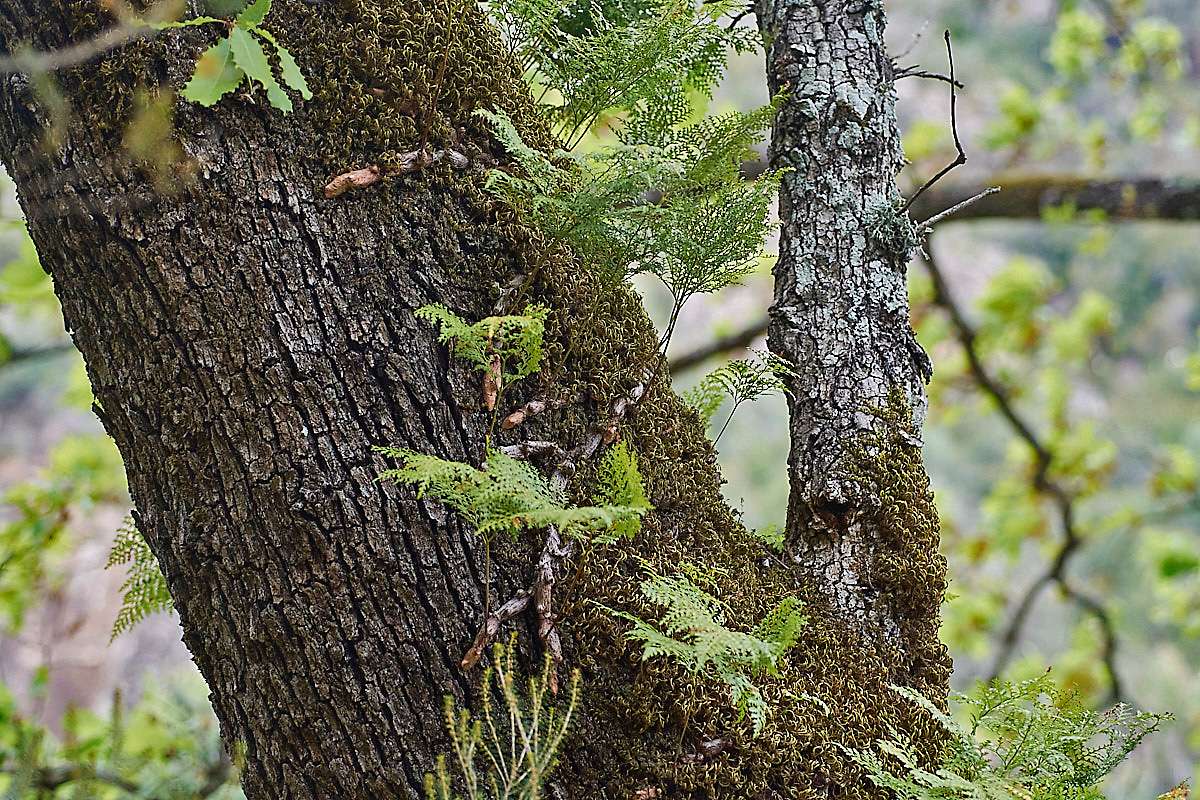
[(145, 589), (691, 630), (742, 381), (621, 486), (511, 750), (516, 340)]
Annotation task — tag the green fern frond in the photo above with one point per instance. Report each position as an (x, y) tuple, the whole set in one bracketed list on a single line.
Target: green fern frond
[(621, 485), (1028, 740), (591, 58), (741, 381), (506, 496), (145, 589), (771, 535), (517, 340), (691, 630)]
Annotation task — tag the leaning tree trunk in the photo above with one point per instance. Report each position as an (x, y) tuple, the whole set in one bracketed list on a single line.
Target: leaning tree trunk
[(251, 341)]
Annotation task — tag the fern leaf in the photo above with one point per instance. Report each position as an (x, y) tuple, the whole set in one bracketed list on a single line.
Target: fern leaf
[(621, 485), (506, 496), (145, 589), (691, 631)]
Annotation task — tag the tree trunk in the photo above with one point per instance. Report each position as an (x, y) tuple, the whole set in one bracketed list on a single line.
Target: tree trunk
[(250, 342), (860, 513)]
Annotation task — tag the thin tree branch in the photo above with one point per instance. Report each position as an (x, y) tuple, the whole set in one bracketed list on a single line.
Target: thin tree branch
[(130, 29), (1043, 483), (1024, 197), (739, 340), (961, 156), (1031, 196), (917, 72), (928, 224), (37, 354)]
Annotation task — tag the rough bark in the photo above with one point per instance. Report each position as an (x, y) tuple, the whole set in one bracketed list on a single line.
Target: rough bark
[(859, 514), (250, 341)]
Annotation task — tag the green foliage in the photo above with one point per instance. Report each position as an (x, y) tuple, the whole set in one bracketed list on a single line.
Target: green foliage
[(742, 381), (167, 747), (1023, 741), (773, 536), (588, 59), (506, 496), (37, 534), (665, 198), (25, 287), (516, 340), (145, 589), (692, 631), (1078, 42), (702, 230), (620, 485), (516, 745), (240, 56)]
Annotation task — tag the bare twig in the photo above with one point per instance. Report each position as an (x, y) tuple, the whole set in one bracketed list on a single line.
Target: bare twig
[(961, 156), (928, 224), (917, 72), (130, 29), (912, 45), (738, 340)]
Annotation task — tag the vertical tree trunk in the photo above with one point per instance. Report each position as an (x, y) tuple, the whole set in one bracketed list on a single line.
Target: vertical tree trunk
[(860, 513), (250, 342)]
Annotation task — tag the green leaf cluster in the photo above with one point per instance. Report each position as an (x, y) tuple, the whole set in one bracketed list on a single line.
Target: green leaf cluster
[(517, 340), (37, 532), (1021, 741), (241, 57), (692, 631), (506, 496), (145, 589), (166, 747)]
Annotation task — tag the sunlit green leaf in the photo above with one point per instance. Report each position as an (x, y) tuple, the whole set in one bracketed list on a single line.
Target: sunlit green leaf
[(217, 74), (289, 70)]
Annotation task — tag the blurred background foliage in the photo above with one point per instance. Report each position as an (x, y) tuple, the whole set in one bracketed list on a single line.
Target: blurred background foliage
[(1063, 435)]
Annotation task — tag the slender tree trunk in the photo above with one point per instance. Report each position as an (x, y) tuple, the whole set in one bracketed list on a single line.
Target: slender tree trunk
[(860, 513), (250, 342)]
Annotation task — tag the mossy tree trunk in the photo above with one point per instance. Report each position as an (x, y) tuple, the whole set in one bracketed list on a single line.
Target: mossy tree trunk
[(250, 342), (860, 515)]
